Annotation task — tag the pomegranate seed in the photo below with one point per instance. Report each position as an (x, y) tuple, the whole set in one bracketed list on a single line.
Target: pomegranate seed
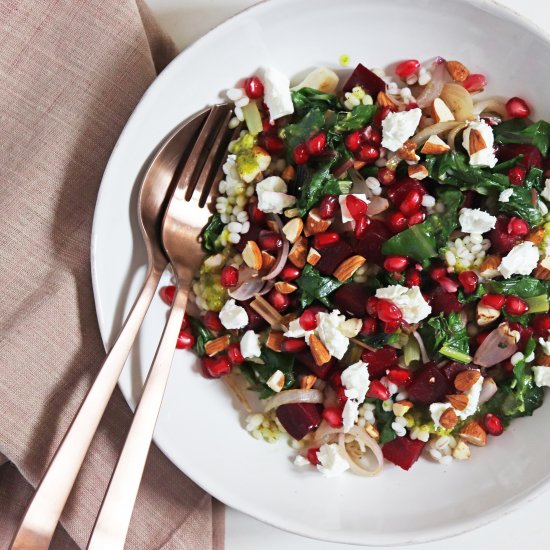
[(381, 115), (371, 306), (396, 264), (216, 366), (517, 227), (300, 154), (469, 280), (370, 325), (234, 354), (495, 301), (370, 135), (361, 227), (357, 208), (377, 390), (253, 87), (328, 206), (388, 311), (308, 319), (475, 82), (273, 144), (368, 153), (185, 340), (417, 217), (293, 345), (437, 272), (316, 144), (324, 240), (333, 416), (493, 424), (341, 396), (392, 326), (541, 325), (400, 377), (412, 278), (353, 141), (212, 321), (257, 217), (386, 176), (397, 222), (481, 337), (270, 241), (278, 300), (516, 175), (229, 276), (447, 284), (311, 455), (517, 108), (516, 306), (167, 293), (507, 366), (289, 273), (411, 203), (336, 380), (407, 68)]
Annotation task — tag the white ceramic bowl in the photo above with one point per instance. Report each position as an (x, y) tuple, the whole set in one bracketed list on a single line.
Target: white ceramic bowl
[(200, 428)]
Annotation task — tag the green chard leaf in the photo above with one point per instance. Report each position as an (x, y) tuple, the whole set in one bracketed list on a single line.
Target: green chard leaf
[(210, 234), (522, 286), (464, 298), (447, 336), (515, 131), (384, 420), (305, 99), (315, 286), (521, 204), (380, 339), (359, 116), (202, 336), (309, 124)]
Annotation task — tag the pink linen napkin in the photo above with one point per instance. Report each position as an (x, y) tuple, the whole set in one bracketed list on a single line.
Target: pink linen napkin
[(71, 72)]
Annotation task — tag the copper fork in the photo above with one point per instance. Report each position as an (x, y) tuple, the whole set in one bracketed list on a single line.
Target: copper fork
[(184, 218)]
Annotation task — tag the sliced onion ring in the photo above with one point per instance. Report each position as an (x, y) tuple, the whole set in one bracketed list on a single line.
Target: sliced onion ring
[(435, 129), (423, 352), (357, 458), (293, 396), (491, 105), (282, 255), (432, 90), (451, 136), (250, 284)]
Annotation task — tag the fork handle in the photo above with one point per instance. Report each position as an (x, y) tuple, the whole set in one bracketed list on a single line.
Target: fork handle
[(112, 523), (42, 515)]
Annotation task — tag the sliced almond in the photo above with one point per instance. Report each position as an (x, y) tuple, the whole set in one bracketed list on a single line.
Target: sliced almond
[(289, 173), (348, 267), (275, 340), (285, 288), (459, 401), (384, 101), (372, 431), (292, 213), (285, 319), (449, 419), (276, 381), (268, 261), (441, 111), (417, 171), (298, 253), (542, 270), (252, 255), (474, 433), (313, 256), (541, 358), (315, 224), (486, 314), (458, 71), (408, 151), (267, 312), (476, 142), (434, 146), (489, 267), (215, 346), (318, 350), (536, 236), (466, 379), (307, 382), (401, 408), (293, 229)]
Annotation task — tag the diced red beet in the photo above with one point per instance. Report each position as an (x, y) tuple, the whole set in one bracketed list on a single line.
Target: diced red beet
[(361, 76), (428, 386), (531, 155), (403, 451), (501, 240), (371, 246), (351, 299), (333, 256), (322, 371), (255, 321), (380, 360), (398, 191), (451, 369), (298, 419), (444, 302)]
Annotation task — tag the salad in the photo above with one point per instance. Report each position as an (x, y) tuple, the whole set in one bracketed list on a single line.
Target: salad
[(377, 265)]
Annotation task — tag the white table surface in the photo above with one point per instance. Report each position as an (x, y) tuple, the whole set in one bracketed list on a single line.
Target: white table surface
[(529, 527)]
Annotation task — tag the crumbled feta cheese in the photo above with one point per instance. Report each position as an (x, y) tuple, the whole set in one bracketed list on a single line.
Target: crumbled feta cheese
[(277, 95), (521, 260), (546, 192), (346, 216), (272, 197), (350, 414), (398, 127), (332, 463), (436, 412), (250, 345), (301, 461), (542, 376), (473, 400), (330, 334), (545, 345), (486, 156), (505, 195), (233, 316), (295, 330), (356, 381), (409, 300), (474, 220)]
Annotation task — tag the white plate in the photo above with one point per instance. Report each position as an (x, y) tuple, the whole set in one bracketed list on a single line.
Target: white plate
[(200, 428)]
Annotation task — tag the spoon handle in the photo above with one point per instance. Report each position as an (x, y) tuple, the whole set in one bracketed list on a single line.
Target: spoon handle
[(42, 515), (112, 523)]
